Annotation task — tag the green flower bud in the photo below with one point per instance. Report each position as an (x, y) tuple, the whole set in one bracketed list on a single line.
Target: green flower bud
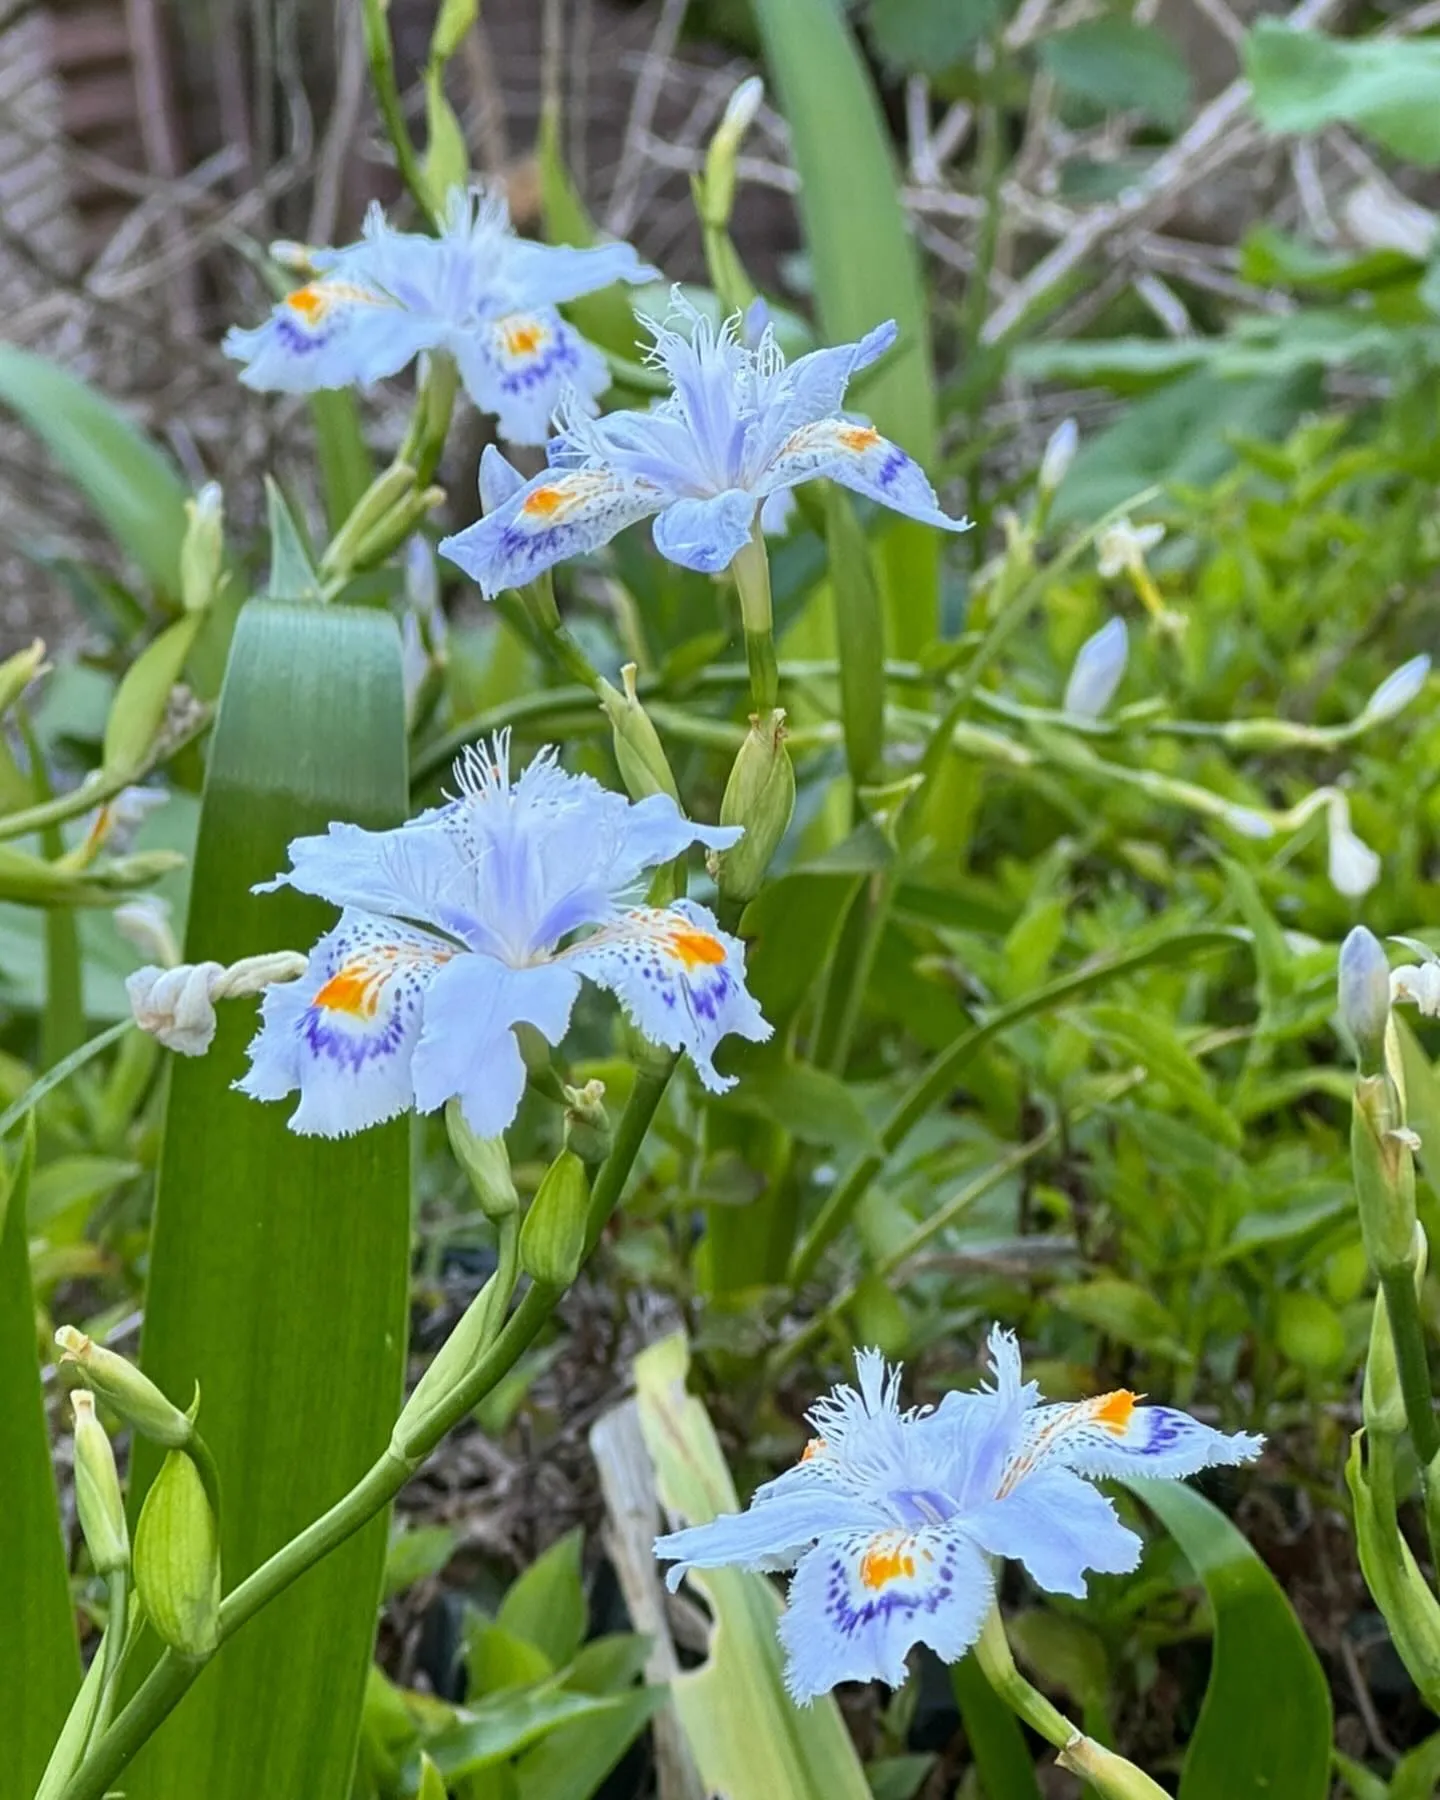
[(644, 766), (177, 1559), (17, 672), (486, 1163), (391, 532), (760, 796), (122, 1386), (552, 1238), (1363, 977), (98, 1500), (717, 189), (142, 700), (587, 1124), (1391, 1573), (202, 551), (1384, 1168)]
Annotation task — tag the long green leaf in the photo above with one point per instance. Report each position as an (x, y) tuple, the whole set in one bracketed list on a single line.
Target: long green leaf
[(279, 1263), (864, 260), (997, 1744), (39, 1658), (133, 487), (1265, 1726)]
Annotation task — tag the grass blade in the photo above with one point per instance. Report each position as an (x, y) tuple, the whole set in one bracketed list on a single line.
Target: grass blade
[(279, 1264), (39, 1658), (1265, 1727), (865, 264), (132, 486)]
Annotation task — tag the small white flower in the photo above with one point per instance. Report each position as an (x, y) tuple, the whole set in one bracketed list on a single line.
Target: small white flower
[(1098, 670), (1419, 983), (1121, 547), (177, 1006), (1059, 454), (1354, 866), (1396, 691)]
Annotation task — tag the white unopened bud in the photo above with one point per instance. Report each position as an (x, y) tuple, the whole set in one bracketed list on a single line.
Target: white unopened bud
[(1059, 454), (1354, 866), (743, 106), (1396, 691), (1418, 983), (1099, 667), (177, 1006), (1363, 978)]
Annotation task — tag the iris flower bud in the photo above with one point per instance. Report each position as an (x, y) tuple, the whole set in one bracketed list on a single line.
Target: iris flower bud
[(1059, 454), (1098, 671), (202, 550), (486, 1163), (639, 754), (760, 797), (1364, 984), (552, 1238), (97, 1490), (122, 1386), (177, 1559)]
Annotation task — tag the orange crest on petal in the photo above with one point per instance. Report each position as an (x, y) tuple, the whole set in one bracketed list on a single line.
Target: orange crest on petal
[(888, 1559), (695, 947)]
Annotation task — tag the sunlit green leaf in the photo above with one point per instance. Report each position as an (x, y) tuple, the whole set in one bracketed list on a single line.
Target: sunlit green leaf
[(1302, 81)]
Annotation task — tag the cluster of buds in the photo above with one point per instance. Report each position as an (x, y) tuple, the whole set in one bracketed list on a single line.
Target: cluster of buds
[(176, 1553)]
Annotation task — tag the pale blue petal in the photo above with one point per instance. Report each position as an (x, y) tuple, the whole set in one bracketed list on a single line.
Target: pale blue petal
[(550, 274), (518, 366), (680, 979), (854, 1612), (417, 871), (332, 333), (1111, 1435), (857, 457), (554, 517), (815, 384), (500, 480), (1058, 1526), (656, 831), (467, 1042), (706, 535), (345, 1033), (773, 1533), (777, 513)]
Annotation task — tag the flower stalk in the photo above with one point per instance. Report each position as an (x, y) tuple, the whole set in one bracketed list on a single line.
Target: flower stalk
[(173, 1674), (751, 569)]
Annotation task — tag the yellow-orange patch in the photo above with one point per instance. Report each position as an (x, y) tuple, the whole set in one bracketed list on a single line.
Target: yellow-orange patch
[(694, 947), (1113, 1410), (352, 989), (816, 1447), (885, 1562), (544, 501), (858, 437), (310, 302), (524, 340)]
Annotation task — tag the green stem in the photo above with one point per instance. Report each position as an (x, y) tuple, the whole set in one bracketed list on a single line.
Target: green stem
[(112, 1650), (751, 569), (992, 1652), (168, 1681), (937, 1080), (381, 57), (1410, 1359)]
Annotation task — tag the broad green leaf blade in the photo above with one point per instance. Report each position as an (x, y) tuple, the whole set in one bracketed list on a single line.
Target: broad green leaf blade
[(503, 1727), (1302, 81), (39, 1657), (997, 1744), (749, 1739), (1265, 1727), (572, 1761), (1116, 64), (865, 265), (278, 1268), (546, 1603), (133, 487)]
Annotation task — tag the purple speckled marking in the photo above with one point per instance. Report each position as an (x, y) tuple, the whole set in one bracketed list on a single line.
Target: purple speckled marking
[(850, 1617), (349, 1050), (298, 337), (895, 464)]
